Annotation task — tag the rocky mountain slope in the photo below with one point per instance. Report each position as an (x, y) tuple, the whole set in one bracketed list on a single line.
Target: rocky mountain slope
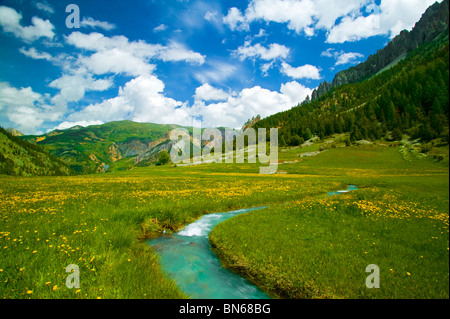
[(433, 23)]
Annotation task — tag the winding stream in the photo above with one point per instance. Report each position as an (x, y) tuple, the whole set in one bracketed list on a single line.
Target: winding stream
[(188, 259)]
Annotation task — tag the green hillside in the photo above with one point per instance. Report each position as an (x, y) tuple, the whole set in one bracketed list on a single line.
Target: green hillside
[(19, 157), (96, 148)]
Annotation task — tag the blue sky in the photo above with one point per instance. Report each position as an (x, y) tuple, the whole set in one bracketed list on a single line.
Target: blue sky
[(173, 61)]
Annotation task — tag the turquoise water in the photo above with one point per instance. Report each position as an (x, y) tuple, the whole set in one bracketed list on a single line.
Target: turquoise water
[(188, 259), (349, 189)]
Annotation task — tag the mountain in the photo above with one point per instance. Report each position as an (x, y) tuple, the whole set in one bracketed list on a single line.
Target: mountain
[(251, 122), (433, 23), (409, 98), (97, 148), (14, 132), (19, 157)]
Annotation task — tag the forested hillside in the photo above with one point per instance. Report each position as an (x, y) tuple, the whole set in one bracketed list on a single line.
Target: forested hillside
[(19, 157), (410, 98)]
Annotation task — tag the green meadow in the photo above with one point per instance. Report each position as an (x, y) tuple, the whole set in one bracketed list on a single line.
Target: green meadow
[(305, 245)]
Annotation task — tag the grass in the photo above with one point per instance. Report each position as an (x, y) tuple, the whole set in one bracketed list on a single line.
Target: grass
[(98, 222), (319, 247)]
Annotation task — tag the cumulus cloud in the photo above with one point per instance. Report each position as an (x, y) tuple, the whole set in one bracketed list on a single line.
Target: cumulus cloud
[(74, 86), (343, 20), (295, 91), (303, 72), (300, 15), (389, 18), (120, 56), (235, 20), (25, 108), (93, 24), (250, 102), (354, 29), (10, 20), (343, 58), (175, 52), (143, 100), (94, 69), (208, 93), (274, 51)]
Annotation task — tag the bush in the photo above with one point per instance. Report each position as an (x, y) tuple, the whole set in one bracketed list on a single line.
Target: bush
[(164, 158)]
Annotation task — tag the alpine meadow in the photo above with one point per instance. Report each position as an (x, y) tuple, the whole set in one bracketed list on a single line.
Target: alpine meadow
[(100, 199)]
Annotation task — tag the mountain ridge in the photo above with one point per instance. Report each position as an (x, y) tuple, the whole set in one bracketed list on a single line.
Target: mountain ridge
[(433, 22)]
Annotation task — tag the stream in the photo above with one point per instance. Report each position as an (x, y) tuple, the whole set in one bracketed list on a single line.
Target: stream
[(187, 258)]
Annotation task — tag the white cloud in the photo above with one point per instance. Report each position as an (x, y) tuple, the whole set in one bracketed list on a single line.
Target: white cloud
[(177, 52), (343, 58), (250, 102), (120, 56), (160, 28), (211, 16), (25, 108), (295, 91), (397, 15), (10, 20), (45, 7), (35, 54), (329, 53), (215, 18), (67, 125), (142, 99), (300, 15), (208, 93), (297, 14), (74, 86), (303, 72), (354, 29), (265, 67), (235, 20), (117, 61), (91, 23), (343, 20), (390, 18), (349, 58), (275, 51)]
